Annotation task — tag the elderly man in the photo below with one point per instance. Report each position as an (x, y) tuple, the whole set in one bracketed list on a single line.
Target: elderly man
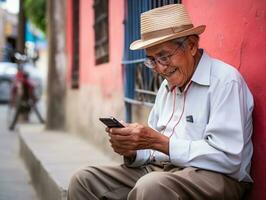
[(198, 143)]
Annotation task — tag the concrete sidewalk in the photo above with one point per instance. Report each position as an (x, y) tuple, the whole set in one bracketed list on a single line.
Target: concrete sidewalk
[(53, 157), (15, 182)]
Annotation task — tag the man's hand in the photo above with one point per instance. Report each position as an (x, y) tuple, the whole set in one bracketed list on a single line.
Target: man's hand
[(125, 141)]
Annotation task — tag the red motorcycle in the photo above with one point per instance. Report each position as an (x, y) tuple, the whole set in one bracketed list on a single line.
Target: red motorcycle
[(22, 100)]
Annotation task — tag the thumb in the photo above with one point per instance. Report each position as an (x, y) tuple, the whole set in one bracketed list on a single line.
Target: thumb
[(124, 123)]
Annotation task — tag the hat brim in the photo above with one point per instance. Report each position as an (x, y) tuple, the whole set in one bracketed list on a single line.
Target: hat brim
[(143, 44)]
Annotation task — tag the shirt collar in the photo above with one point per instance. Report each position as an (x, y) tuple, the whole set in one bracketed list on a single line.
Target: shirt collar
[(203, 70)]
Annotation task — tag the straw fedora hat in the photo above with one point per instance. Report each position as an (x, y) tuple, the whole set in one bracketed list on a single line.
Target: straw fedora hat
[(163, 24)]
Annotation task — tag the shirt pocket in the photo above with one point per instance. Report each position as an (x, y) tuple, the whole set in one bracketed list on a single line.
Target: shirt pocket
[(194, 131)]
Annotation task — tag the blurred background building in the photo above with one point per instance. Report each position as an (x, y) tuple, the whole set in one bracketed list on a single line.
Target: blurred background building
[(8, 33)]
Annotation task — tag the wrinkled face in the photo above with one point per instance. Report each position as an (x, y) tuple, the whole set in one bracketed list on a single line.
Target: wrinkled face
[(181, 64)]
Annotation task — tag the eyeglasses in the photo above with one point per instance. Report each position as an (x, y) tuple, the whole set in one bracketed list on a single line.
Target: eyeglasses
[(163, 60)]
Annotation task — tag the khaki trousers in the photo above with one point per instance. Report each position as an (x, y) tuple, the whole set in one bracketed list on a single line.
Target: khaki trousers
[(153, 182)]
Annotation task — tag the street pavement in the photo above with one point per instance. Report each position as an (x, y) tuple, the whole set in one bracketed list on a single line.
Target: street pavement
[(15, 183)]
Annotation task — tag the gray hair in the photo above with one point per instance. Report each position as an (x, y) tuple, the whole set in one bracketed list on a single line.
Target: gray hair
[(182, 41)]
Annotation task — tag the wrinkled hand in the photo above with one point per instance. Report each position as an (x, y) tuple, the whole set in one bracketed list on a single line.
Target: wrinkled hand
[(125, 141)]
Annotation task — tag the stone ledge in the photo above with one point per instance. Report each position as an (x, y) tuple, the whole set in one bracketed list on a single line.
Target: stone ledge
[(53, 157)]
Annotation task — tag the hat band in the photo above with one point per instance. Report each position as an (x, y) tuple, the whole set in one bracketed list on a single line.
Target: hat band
[(164, 32)]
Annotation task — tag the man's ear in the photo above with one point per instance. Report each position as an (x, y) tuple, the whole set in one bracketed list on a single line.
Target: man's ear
[(193, 45), (194, 50)]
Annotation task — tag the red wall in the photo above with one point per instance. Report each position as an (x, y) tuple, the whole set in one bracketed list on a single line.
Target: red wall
[(107, 76), (236, 33)]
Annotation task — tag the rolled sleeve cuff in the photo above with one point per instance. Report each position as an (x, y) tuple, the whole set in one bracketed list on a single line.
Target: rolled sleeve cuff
[(178, 151), (141, 158)]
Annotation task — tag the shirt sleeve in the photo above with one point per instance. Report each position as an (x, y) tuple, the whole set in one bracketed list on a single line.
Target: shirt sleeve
[(142, 158), (223, 140)]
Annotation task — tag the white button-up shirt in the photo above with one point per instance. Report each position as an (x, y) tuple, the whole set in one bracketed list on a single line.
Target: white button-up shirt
[(210, 121)]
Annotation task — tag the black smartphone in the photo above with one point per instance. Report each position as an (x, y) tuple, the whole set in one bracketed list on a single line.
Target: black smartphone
[(111, 122)]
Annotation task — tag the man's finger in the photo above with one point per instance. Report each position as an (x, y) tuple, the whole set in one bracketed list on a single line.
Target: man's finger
[(120, 131), (120, 138), (124, 123), (123, 146)]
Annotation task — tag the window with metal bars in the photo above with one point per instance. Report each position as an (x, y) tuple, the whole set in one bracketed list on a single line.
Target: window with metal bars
[(101, 31), (159, 3), (75, 40), (141, 84)]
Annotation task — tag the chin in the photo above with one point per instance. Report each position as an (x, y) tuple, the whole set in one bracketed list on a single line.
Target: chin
[(174, 84)]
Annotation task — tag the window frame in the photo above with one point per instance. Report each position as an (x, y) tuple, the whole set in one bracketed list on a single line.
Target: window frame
[(101, 31), (75, 42)]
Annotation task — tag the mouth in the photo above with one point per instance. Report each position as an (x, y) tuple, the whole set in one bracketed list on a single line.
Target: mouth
[(170, 72)]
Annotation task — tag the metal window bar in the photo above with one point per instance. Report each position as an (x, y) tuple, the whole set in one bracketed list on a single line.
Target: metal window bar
[(141, 84)]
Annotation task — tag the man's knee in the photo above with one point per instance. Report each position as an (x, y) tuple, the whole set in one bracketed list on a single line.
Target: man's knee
[(76, 179), (150, 180), (155, 180), (80, 179), (155, 185)]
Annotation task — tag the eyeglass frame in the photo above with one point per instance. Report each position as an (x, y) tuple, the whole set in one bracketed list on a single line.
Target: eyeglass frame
[(152, 63)]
